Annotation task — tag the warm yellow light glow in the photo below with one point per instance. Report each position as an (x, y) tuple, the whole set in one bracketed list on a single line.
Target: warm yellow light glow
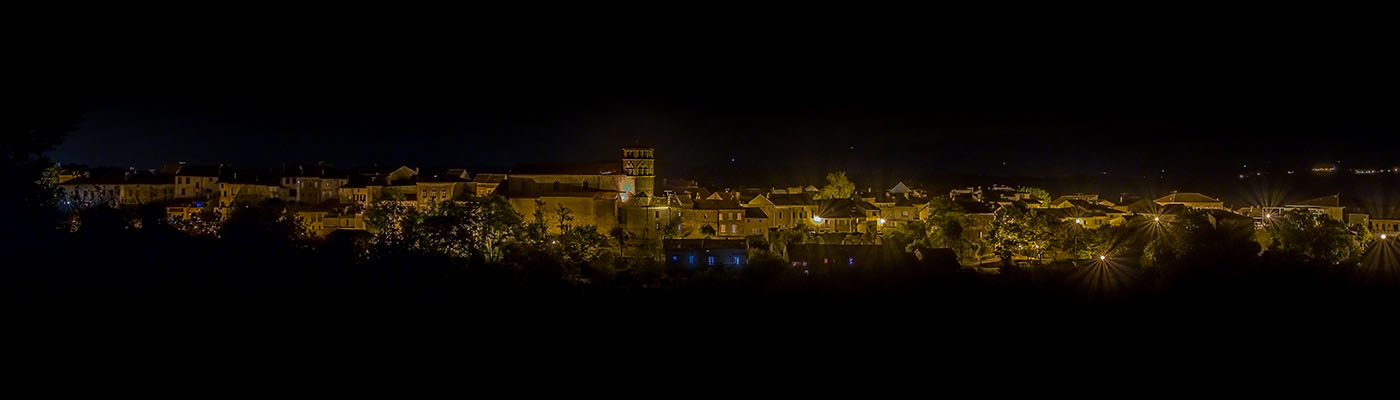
[(1156, 219), (1268, 215), (1078, 221), (817, 219), (1102, 257)]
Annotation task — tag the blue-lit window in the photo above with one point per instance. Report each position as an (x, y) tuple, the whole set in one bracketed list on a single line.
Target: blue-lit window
[(736, 260), (851, 261), (712, 260), (675, 258), (692, 259)]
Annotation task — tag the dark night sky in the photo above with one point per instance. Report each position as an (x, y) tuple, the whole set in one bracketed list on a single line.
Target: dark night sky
[(788, 102)]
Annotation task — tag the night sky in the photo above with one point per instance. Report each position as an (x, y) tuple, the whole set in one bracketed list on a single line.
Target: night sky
[(789, 105)]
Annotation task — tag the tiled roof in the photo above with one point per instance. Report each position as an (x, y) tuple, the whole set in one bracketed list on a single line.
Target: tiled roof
[(843, 208), (1188, 197), (716, 205), (704, 244), (754, 212), (791, 199), (1324, 201)]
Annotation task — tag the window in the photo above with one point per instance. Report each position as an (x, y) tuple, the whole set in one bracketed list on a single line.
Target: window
[(851, 261), (712, 260), (658, 215), (736, 260), (692, 259), (734, 228), (675, 258), (721, 228)]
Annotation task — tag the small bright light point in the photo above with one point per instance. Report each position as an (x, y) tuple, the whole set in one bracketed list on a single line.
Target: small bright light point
[(1102, 257), (1156, 219), (882, 221), (1078, 221), (1268, 215), (817, 219)]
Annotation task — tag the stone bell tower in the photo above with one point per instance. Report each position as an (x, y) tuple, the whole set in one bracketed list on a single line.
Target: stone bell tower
[(640, 164)]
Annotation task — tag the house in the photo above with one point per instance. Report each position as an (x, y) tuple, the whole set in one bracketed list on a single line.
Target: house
[(312, 184), (846, 216), (785, 211), (646, 217), (486, 183), (724, 216), (1330, 206), (142, 188), (198, 182), (433, 188), (756, 222), (899, 209), (249, 188), (1387, 225), (1091, 215), (692, 253), (1191, 200)]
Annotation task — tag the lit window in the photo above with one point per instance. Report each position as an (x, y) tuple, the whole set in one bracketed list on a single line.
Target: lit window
[(712, 260), (736, 260), (851, 261), (692, 259)]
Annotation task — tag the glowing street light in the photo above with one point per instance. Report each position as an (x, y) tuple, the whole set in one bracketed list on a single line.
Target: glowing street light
[(1102, 257), (817, 219), (881, 221), (1079, 221), (1156, 219), (1268, 215)]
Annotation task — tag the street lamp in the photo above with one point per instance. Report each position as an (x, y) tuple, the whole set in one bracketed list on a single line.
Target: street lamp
[(1270, 216), (1102, 257), (1078, 221), (817, 219), (1156, 219), (881, 221)]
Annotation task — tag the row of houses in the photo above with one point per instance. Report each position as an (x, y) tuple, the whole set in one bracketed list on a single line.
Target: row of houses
[(623, 194)]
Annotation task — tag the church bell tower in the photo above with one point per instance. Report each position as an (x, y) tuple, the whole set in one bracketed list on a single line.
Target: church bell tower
[(640, 164)]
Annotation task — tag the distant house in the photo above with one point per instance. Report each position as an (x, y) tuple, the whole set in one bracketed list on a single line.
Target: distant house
[(198, 182), (692, 253), (724, 216), (1088, 214), (785, 211), (313, 184), (846, 216), (438, 187), (1330, 206), (755, 221), (248, 187), (1191, 200), (1385, 226)]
